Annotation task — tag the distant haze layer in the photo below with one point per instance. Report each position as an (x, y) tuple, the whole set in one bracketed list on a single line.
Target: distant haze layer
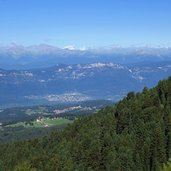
[(38, 56)]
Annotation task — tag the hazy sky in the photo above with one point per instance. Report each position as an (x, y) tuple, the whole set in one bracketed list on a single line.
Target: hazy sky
[(86, 23)]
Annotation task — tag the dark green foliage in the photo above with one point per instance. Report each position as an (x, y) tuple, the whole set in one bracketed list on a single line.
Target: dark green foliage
[(133, 135), (20, 133)]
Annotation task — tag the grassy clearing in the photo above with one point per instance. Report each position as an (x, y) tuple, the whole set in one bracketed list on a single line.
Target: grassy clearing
[(30, 112), (39, 110), (44, 122)]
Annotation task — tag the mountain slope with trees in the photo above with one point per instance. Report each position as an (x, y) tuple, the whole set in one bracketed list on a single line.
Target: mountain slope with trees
[(133, 135)]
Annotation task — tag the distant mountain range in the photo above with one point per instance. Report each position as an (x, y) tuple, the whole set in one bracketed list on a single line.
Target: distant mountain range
[(68, 83), (41, 56)]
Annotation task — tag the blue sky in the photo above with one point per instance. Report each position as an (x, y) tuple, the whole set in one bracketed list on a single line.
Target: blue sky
[(86, 23)]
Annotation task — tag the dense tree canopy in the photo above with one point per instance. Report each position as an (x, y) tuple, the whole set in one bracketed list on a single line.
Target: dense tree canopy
[(133, 135)]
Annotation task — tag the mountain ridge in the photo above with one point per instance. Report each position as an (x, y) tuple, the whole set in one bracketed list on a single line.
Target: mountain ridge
[(92, 81), (21, 57)]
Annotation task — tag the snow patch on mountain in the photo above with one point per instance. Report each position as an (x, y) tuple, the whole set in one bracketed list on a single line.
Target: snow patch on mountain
[(138, 77), (103, 65)]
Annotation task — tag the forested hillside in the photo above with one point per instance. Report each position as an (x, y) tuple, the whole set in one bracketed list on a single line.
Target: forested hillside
[(133, 135)]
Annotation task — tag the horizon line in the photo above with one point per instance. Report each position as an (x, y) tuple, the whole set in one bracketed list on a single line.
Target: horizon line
[(84, 48)]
